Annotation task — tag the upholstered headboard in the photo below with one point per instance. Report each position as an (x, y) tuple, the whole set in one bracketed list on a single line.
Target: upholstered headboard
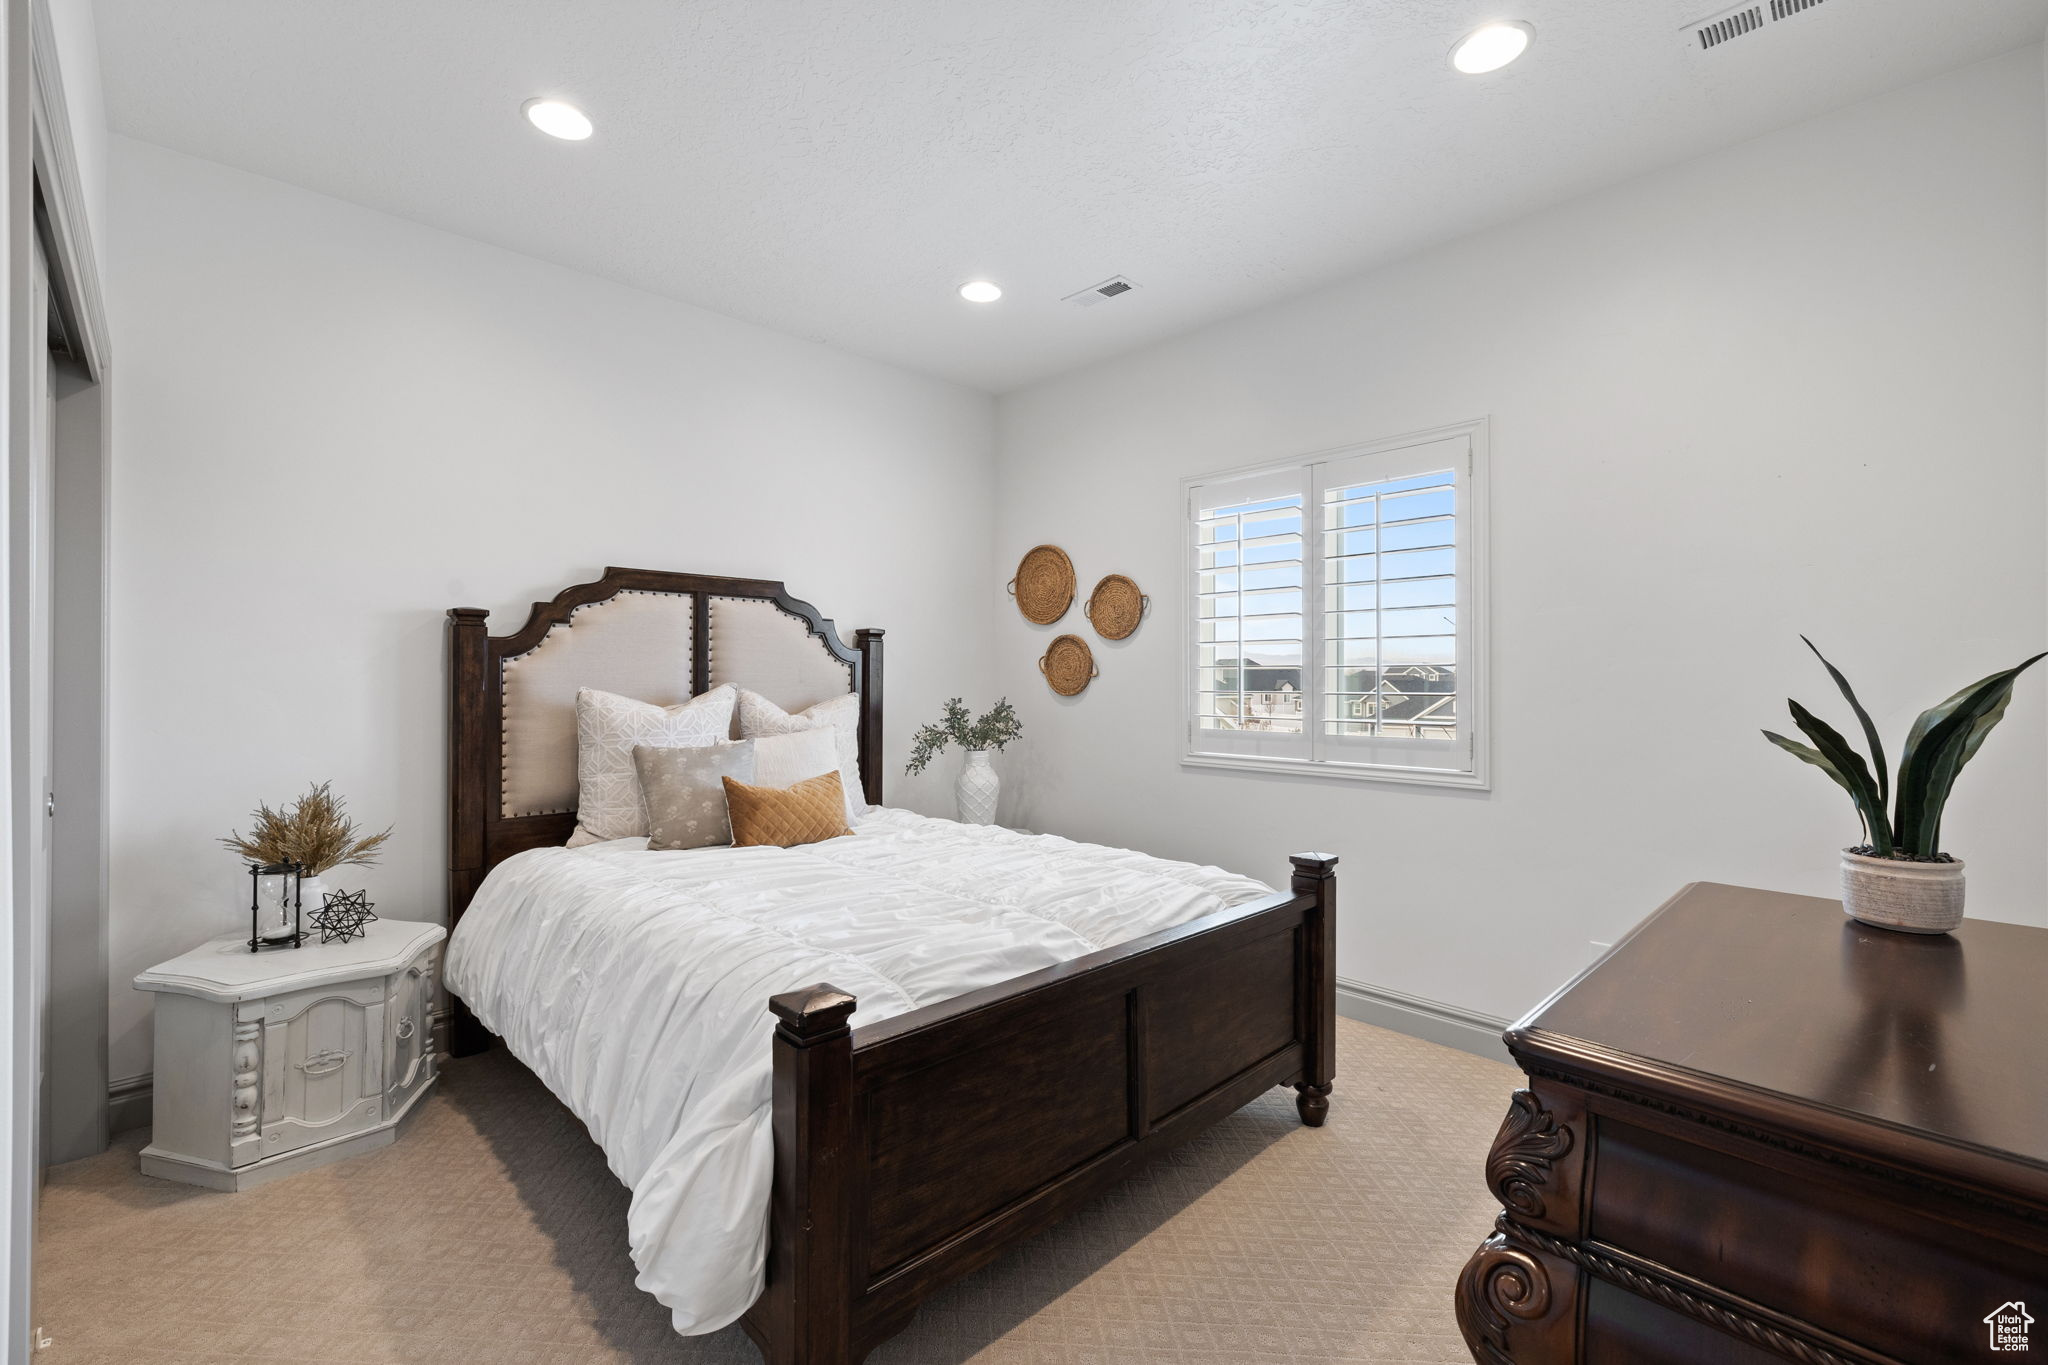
[(660, 637)]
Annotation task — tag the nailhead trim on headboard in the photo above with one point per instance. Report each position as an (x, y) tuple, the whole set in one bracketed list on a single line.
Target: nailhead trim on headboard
[(504, 703), (842, 665)]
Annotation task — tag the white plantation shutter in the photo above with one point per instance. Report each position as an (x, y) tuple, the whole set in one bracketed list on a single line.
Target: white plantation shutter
[(1251, 596), (1335, 613), (1391, 645)]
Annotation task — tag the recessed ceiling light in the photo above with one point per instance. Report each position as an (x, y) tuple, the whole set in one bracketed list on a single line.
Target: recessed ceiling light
[(1491, 48), (980, 291), (557, 119)]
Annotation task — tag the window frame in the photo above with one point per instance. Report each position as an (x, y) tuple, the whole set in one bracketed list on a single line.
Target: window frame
[(1347, 760)]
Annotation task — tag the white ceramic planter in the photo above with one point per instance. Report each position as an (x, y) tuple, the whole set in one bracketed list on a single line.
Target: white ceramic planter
[(1892, 893), (975, 790)]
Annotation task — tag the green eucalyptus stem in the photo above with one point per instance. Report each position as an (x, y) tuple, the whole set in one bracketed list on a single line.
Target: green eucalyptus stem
[(995, 728)]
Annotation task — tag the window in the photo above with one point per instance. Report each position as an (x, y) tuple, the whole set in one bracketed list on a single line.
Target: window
[(1336, 611)]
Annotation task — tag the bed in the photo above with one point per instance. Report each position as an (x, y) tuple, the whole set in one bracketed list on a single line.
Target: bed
[(1035, 1016)]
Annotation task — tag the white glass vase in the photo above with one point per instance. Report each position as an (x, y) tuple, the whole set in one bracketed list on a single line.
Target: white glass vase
[(974, 792)]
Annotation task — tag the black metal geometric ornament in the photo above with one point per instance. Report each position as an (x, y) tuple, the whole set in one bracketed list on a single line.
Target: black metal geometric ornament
[(342, 915)]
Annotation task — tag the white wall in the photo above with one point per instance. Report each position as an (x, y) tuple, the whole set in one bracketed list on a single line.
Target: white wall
[(1793, 387), (333, 424)]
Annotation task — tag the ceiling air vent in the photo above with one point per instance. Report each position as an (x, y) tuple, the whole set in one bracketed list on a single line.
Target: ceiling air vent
[(1098, 293), (1729, 25), (1785, 9)]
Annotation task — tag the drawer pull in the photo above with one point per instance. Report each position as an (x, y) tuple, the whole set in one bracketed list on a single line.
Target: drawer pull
[(404, 1029), (324, 1063)]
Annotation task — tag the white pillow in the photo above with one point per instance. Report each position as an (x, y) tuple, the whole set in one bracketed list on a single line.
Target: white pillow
[(760, 718), (785, 760), (608, 726)]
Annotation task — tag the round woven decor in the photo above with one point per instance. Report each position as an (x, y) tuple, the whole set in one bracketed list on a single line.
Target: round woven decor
[(1116, 606), (1068, 665), (1044, 585)]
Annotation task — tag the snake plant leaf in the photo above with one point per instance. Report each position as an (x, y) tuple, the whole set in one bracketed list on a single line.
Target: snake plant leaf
[(1961, 751), (1818, 760), (1928, 765), (1862, 789), (1936, 749), (1984, 725), (1933, 715), (1884, 779), (1921, 837)]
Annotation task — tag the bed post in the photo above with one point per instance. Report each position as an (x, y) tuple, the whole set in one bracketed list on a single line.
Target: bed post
[(868, 640), (807, 1307), (1315, 876), (468, 694)]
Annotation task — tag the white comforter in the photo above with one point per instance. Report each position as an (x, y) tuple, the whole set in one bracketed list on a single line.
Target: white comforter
[(636, 985)]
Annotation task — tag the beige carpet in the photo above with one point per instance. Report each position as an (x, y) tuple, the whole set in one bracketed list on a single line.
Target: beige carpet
[(492, 1232)]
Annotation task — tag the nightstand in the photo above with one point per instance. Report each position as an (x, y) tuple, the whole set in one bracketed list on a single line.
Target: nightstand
[(269, 1063)]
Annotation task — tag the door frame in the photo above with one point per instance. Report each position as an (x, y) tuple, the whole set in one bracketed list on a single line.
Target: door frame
[(75, 1049), (43, 200)]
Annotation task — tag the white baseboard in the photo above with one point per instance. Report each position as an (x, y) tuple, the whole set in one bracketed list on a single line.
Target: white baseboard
[(128, 1103), (1430, 1020)]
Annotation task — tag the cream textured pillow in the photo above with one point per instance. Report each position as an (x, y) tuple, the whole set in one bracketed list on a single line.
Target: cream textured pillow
[(785, 760), (760, 717), (808, 813), (685, 798), (608, 728)]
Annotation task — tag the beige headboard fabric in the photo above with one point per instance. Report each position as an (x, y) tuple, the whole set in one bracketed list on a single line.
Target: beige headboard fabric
[(639, 644), (757, 645)]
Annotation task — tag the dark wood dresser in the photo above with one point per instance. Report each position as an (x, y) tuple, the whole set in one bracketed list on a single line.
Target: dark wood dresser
[(1757, 1131)]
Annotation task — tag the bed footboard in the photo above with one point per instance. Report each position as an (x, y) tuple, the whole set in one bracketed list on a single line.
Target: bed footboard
[(911, 1152)]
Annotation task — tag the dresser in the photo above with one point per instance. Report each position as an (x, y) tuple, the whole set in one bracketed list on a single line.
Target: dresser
[(268, 1063), (1758, 1131)]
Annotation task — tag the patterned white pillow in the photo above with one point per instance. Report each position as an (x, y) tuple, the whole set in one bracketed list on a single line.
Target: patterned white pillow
[(760, 717), (608, 726)]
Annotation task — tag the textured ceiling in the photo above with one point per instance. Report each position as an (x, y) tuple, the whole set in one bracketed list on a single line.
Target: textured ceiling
[(835, 170)]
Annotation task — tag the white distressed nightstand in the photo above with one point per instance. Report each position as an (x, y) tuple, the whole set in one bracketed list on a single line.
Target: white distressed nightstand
[(273, 1062)]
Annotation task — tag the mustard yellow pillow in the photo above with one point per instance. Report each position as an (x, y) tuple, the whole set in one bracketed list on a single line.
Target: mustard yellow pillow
[(811, 811)]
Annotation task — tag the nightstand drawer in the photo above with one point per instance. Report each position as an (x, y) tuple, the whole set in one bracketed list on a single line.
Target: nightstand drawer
[(323, 1065)]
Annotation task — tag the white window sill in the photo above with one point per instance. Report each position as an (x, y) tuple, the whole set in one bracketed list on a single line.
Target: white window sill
[(1341, 772)]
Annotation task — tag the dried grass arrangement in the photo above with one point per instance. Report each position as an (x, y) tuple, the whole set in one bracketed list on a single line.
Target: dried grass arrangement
[(313, 831)]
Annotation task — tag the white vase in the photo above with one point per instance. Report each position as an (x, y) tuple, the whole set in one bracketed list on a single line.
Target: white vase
[(974, 791), (1897, 893)]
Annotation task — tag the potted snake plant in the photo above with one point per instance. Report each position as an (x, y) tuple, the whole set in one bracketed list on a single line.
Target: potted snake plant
[(1899, 877)]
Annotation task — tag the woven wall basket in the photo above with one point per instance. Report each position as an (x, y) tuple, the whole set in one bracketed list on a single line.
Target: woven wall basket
[(1044, 585), (1116, 606), (1068, 665)]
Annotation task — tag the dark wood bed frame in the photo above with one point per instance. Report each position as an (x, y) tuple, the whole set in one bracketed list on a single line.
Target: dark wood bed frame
[(913, 1151)]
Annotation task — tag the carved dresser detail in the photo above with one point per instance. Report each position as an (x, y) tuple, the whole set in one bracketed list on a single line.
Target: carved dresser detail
[(269, 1063), (1757, 1131)]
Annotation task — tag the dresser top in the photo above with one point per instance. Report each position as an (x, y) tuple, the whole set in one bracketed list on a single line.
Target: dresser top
[(1937, 1037), (224, 970)]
